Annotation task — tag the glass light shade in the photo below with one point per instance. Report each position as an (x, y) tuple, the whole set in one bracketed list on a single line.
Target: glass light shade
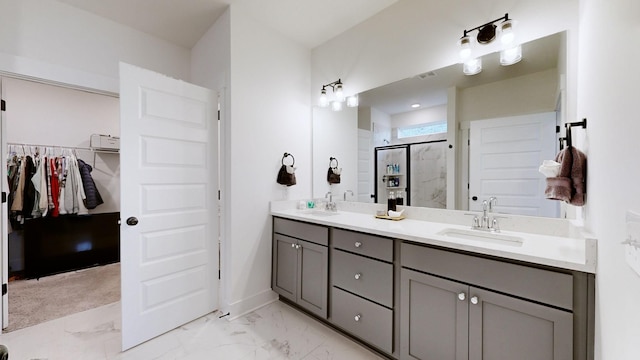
[(352, 101), (323, 101), (511, 56), (507, 36), (339, 93), (336, 106), (472, 66), (465, 48)]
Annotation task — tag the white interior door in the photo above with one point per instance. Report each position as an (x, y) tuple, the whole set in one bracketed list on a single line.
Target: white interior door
[(169, 185), (504, 157)]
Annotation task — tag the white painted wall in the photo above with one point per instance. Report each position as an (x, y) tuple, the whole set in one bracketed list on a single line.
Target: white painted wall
[(415, 36), (608, 98), (52, 115), (334, 135), (421, 116), (270, 115), (210, 67), (51, 40), (528, 94)]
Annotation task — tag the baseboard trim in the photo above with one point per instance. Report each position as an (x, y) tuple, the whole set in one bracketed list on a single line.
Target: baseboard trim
[(247, 305)]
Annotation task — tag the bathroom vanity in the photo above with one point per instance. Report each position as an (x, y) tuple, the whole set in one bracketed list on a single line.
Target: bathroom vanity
[(428, 287)]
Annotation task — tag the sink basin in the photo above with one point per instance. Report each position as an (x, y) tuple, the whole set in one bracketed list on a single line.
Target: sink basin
[(479, 235)]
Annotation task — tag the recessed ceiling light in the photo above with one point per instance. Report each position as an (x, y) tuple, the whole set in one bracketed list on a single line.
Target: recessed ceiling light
[(416, 105)]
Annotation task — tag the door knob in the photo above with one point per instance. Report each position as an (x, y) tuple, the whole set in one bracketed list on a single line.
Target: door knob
[(357, 276), (132, 221), (461, 296), (474, 198), (357, 317), (474, 300)]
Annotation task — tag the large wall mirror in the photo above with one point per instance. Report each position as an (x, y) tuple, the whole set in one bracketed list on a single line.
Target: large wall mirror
[(508, 115)]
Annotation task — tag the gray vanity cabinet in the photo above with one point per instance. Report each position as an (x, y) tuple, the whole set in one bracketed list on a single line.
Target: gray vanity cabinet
[(505, 327), (434, 322), (300, 266), (528, 317), (362, 292)]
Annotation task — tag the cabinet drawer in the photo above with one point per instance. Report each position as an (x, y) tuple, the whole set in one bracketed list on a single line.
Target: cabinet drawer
[(363, 244), (369, 278), (540, 285), (314, 233), (370, 322)]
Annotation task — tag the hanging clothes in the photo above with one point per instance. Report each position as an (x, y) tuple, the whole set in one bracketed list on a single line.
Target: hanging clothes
[(43, 185), (91, 191)]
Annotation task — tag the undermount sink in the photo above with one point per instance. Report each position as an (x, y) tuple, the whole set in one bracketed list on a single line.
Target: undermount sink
[(479, 235)]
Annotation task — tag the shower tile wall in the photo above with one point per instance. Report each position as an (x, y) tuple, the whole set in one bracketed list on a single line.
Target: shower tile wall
[(429, 175)]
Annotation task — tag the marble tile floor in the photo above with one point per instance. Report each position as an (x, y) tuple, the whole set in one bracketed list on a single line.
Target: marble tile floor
[(275, 331)]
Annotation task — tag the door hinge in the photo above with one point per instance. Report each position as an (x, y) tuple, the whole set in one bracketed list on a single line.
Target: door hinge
[(218, 274), (4, 197), (4, 289), (4, 106), (218, 115), (469, 142), (218, 194)]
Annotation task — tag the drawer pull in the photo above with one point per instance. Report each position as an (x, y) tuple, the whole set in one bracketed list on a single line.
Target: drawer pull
[(357, 317), (357, 276), (462, 296), (474, 300), (298, 246), (293, 245), (358, 244)]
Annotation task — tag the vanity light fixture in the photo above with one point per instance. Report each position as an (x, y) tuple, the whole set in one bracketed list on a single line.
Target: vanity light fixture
[(509, 55), (338, 92)]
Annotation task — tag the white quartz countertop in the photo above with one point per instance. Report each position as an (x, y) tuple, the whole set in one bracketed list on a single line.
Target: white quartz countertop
[(562, 252)]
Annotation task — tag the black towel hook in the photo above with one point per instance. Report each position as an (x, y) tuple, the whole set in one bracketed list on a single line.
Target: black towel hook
[(331, 159), (287, 155), (569, 127)]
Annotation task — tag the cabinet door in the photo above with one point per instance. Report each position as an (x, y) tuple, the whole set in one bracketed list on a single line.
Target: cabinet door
[(284, 274), (313, 277), (503, 327), (434, 318)]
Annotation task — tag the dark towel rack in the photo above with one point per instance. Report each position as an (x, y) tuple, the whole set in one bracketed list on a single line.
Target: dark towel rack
[(569, 126)]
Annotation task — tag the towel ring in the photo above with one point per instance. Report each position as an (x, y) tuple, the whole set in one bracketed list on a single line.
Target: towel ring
[(288, 155), (331, 159)]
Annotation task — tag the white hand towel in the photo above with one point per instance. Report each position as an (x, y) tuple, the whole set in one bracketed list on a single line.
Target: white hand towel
[(550, 168)]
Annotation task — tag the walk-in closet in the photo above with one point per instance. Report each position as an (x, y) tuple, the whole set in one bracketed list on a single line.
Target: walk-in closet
[(61, 200)]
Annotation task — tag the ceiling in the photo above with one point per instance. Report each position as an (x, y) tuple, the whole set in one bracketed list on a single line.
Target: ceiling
[(307, 22)]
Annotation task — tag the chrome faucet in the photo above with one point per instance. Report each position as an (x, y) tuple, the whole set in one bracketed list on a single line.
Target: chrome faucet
[(486, 223), (331, 206)]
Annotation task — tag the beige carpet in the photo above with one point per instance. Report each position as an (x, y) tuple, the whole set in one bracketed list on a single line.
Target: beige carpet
[(35, 301)]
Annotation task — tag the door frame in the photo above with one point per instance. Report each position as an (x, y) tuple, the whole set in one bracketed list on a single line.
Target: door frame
[(50, 74)]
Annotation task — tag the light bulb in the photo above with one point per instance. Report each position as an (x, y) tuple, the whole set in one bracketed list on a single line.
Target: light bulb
[(336, 106), (472, 67), (511, 56), (352, 101)]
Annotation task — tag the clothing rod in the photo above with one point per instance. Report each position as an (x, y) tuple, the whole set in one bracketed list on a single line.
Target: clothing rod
[(51, 146)]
